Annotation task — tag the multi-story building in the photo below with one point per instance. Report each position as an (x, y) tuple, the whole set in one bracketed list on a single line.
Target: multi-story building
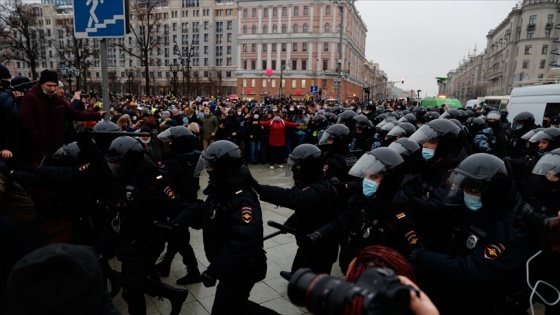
[(520, 51), (297, 42), (467, 81), (202, 33)]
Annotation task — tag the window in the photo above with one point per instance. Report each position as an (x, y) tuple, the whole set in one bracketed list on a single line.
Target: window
[(295, 28), (273, 64), (549, 19), (528, 49), (228, 49), (542, 64), (273, 47), (274, 29), (328, 10), (294, 64), (265, 29), (544, 50), (305, 10), (253, 64), (284, 11), (244, 64), (205, 25), (245, 29), (254, 12), (206, 50), (532, 20), (229, 37), (245, 13), (547, 33), (254, 29), (265, 47), (284, 28), (253, 47), (283, 47), (326, 47), (296, 11), (525, 64), (304, 65), (540, 76), (294, 84), (294, 46), (305, 27), (265, 12), (274, 12), (206, 38), (245, 48), (529, 35), (303, 84), (303, 46), (325, 65), (327, 28), (264, 64)]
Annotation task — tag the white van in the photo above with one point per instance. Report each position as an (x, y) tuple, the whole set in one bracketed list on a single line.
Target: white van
[(535, 99)]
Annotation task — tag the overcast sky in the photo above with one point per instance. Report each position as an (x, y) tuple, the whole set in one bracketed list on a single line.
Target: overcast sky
[(419, 40)]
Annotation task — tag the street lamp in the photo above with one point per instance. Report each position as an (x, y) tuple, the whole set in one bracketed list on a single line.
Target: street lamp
[(187, 53), (129, 76), (174, 69), (281, 77), (340, 5), (68, 73)]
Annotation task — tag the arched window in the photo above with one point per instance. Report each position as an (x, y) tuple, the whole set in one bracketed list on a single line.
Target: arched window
[(274, 29), (295, 28), (284, 28), (305, 28), (254, 29), (245, 29), (265, 29), (327, 28)]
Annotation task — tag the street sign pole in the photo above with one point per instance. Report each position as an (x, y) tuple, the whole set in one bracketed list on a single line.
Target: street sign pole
[(104, 77)]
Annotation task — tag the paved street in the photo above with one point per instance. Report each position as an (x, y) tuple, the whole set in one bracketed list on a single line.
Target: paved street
[(271, 292)]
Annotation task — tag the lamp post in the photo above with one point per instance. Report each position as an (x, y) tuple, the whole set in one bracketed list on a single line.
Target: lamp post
[(281, 77), (174, 69), (339, 64), (68, 73), (187, 52)]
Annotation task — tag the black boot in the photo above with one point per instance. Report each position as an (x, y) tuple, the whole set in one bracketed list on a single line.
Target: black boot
[(193, 276), (112, 275), (164, 266), (176, 296)]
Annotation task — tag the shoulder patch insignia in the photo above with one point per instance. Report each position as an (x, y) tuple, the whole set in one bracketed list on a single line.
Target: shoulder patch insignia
[(412, 238), (168, 191), (84, 167), (471, 241), (247, 214), (494, 251), (401, 215)]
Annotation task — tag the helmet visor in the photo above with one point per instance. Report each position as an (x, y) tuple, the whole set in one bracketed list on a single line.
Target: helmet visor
[(549, 166), (367, 165), (423, 134), (165, 135), (400, 149), (324, 138), (396, 131), (527, 136), (460, 182), (201, 165), (541, 135)]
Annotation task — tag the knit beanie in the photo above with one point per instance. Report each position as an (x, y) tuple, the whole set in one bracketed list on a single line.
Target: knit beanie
[(4, 72), (48, 76)]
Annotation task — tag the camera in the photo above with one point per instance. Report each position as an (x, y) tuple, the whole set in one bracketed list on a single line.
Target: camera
[(378, 291)]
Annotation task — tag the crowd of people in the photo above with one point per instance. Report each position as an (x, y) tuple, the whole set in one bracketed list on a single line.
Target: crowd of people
[(453, 200)]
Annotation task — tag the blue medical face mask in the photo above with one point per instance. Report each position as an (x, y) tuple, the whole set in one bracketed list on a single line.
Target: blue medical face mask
[(474, 203), (369, 187), (428, 154), (517, 127)]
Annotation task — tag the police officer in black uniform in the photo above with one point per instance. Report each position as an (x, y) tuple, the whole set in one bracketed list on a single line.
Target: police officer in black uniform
[(375, 215), (338, 158), (480, 264), (144, 197), (231, 221), (180, 167), (315, 203)]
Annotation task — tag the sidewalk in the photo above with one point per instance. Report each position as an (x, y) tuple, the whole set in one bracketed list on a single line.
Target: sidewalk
[(271, 292)]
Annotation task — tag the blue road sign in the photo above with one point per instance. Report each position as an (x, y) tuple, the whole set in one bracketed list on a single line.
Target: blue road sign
[(100, 18), (314, 89)]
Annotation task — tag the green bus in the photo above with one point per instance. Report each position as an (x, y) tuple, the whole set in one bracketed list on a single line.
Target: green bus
[(437, 102)]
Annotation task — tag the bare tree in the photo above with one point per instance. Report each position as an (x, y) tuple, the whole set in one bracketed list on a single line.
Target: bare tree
[(144, 27), (24, 41)]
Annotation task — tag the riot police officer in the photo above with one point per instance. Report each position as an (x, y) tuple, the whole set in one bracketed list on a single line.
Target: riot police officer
[(231, 221), (338, 158), (143, 196), (315, 203)]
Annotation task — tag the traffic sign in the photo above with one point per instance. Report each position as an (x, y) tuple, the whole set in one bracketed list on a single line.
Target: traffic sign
[(314, 89), (100, 18)]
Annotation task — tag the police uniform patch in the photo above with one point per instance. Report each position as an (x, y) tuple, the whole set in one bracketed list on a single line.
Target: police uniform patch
[(494, 251), (168, 191), (246, 214), (84, 167), (471, 241), (412, 238)]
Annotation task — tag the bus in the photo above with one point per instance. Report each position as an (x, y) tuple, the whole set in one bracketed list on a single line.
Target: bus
[(496, 102)]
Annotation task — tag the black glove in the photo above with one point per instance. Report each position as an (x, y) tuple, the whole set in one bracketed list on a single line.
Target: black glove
[(415, 254), (207, 279), (338, 186), (313, 239), (256, 186)]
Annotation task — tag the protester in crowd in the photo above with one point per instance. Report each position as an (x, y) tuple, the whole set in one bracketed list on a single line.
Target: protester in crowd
[(277, 138)]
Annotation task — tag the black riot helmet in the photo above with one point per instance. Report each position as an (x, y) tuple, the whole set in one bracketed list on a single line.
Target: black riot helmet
[(345, 116), (476, 125), (306, 161), (331, 118), (549, 166), (363, 123), (551, 134), (320, 121), (221, 159), (404, 147), (335, 139), (180, 139), (431, 115), (442, 131), (529, 134), (480, 181), (379, 118), (524, 119), (381, 161), (419, 111), (452, 113), (404, 129), (408, 118), (124, 155), (104, 133), (69, 155)]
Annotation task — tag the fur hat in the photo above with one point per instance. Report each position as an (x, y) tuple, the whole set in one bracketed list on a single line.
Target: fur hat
[(48, 76)]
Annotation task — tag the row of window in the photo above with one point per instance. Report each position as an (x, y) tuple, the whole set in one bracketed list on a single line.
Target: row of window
[(284, 47), (284, 10), (533, 20), (272, 83), (526, 63), (295, 65), (284, 29), (529, 49)]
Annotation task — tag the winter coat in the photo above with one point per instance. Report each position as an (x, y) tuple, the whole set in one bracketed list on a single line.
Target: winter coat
[(277, 137)]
